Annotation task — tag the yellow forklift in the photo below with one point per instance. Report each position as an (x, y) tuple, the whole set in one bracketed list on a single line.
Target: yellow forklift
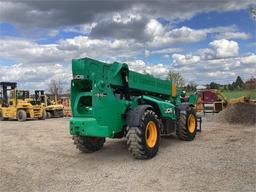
[(16, 104), (52, 108)]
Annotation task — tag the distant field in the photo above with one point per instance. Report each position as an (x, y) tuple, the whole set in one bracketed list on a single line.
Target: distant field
[(235, 94)]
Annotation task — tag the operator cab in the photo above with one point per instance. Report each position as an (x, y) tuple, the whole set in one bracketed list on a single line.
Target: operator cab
[(21, 94)]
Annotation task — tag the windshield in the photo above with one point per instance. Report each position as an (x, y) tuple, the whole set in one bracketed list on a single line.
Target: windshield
[(21, 94)]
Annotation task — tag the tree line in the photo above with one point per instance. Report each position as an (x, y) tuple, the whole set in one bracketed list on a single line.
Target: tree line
[(238, 84)]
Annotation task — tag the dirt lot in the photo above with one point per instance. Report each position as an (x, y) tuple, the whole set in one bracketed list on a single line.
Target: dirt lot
[(40, 156)]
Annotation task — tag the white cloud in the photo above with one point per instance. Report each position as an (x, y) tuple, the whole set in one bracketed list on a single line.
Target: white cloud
[(157, 70), (165, 51), (35, 77), (126, 17), (146, 53), (233, 35), (31, 53), (225, 48), (161, 37), (40, 63), (100, 48), (180, 60), (167, 56), (206, 53), (220, 70), (33, 14), (154, 28), (27, 51), (53, 33), (222, 74), (250, 59)]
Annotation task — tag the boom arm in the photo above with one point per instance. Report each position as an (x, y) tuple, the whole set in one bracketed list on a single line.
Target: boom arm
[(119, 77)]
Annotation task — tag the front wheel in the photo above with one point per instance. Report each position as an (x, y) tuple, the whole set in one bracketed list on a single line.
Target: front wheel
[(143, 141), (88, 144), (187, 124), (44, 115), (49, 115), (21, 115)]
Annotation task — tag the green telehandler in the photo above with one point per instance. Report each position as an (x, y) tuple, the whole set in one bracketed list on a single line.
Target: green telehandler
[(109, 100)]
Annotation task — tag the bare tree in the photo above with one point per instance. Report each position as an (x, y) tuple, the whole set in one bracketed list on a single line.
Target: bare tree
[(56, 87), (191, 86), (176, 78), (253, 12)]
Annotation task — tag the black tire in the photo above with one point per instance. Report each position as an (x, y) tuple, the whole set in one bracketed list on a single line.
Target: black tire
[(49, 115), (183, 131), (88, 144), (21, 115), (62, 113), (137, 137), (44, 115), (1, 116)]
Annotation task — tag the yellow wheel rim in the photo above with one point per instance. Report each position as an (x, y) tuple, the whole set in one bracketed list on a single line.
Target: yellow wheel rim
[(191, 123), (151, 134)]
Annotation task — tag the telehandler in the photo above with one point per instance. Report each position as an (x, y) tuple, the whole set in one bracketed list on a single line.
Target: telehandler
[(16, 104), (109, 100)]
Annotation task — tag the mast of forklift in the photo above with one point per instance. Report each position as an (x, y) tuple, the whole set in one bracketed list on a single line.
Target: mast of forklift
[(40, 96), (7, 86)]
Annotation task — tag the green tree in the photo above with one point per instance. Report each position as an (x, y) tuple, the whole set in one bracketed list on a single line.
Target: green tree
[(214, 85), (230, 87), (176, 77), (239, 84)]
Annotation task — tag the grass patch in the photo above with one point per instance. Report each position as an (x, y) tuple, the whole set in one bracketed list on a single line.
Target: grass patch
[(235, 94)]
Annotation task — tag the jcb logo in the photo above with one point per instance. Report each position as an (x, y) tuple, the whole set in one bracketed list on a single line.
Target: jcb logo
[(168, 110), (78, 77)]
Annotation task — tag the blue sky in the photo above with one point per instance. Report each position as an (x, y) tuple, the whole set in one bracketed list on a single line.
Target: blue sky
[(204, 41)]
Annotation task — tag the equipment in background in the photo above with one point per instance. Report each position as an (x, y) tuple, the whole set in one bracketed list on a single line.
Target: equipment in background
[(52, 108), (210, 101), (242, 99), (109, 100), (16, 104), (65, 101), (213, 101)]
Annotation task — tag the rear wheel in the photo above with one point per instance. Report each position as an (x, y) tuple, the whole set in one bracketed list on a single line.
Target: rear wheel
[(56, 113), (88, 144), (61, 113), (21, 115), (143, 141), (1, 116), (44, 115), (187, 124)]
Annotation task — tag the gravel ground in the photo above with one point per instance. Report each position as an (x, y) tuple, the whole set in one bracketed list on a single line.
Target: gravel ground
[(240, 113), (40, 156)]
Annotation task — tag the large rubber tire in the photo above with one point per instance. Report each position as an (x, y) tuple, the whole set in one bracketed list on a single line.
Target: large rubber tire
[(1, 116), (88, 144), (44, 115), (49, 115), (61, 113), (21, 115), (137, 137), (187, 124)]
